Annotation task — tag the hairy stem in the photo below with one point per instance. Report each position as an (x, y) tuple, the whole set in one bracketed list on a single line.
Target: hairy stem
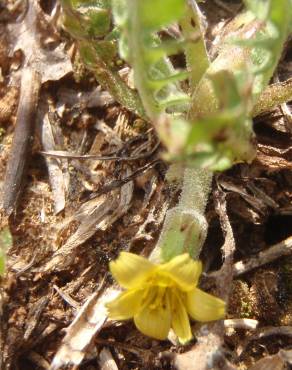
[(185, 227)]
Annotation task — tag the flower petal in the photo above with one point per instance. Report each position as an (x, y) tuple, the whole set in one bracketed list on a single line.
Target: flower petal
[(125, 306), (202, 306), (179, 319), (183, 270), (130, 270), (154, 321)]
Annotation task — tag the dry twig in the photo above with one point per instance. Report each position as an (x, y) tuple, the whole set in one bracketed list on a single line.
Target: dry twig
[(274, 252), (248, 324), (30, 87)]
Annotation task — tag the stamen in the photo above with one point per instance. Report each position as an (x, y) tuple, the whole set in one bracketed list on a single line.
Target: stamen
[(159, 299)]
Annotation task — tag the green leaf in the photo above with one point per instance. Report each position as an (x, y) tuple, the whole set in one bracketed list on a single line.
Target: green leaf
[(83, 4), (120, 14), (260, 8), (159, 13), (195, 50), (83, 20), (173, 132), (98, 22), (226, 89)]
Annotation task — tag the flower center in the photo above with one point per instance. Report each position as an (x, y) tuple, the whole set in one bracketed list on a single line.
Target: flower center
[(159, 299), (158, 291), (155, 297)]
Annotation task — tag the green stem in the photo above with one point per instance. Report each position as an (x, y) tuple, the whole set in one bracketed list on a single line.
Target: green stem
[(196, 188), (111, 81), (185, 226)]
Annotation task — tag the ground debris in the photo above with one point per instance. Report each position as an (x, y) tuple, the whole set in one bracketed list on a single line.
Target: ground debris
[(106, 361), (279, 250), (96, 186), (31, 35), (269, 363), (97, 214), (85, 326), (8, 102), (57, 169)]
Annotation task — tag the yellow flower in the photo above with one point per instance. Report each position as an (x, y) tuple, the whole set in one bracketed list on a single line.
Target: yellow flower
[(160, 297)]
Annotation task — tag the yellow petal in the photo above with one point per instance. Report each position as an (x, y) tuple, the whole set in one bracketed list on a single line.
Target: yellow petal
[(154, 321), (125, 306), (183, 270), (202, 306), (179, 319), (130, 270)]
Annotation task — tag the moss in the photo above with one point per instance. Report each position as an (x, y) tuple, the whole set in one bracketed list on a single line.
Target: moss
[(241, 303), (140, 126)]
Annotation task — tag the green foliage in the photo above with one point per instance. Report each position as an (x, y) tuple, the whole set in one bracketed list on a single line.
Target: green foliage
[(156, 15), (215, 131), (155, 77), (203, 112), (86, 19), (89, 22), (266, 46), (195, 50), (205, 122), (208, 125)]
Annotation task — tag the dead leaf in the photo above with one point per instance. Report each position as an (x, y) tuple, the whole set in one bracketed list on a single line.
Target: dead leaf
[(8, 103), (84, 99), (96, 214), (91, 215), (207, 354), (272, 164), (26, 36)]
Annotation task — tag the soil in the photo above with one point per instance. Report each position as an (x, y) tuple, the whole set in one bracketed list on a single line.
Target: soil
[(43, 288)]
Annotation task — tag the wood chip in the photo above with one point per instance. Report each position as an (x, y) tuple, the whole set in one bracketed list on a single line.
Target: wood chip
[(81, 332), (59, 182), (248, 324), (34, 316), (106, 361), (38, 360), (92, 216)]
